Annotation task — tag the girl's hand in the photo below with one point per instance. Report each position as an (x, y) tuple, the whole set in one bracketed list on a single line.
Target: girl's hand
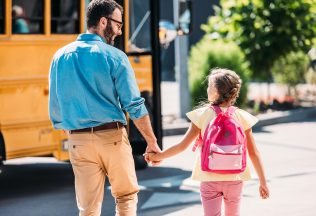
[(153, 158), (264, 191), (150, 149)]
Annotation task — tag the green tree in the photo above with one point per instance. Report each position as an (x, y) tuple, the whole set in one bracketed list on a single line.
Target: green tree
[(265, 30), (291, 69), (310, 76), (208, 54)]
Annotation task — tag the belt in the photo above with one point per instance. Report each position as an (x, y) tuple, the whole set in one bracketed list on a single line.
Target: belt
[(107, 126)]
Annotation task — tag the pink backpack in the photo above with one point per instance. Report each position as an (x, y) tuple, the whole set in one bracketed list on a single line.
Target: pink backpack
[(224, 144)]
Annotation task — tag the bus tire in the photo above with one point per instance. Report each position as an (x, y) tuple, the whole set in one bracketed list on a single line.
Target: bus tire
[(139, 162), (2, 152)]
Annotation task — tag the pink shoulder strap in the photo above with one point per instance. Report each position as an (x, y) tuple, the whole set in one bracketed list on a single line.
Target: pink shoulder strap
[(216, 109)]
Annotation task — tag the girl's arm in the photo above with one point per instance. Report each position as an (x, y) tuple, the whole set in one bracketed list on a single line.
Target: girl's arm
[(188, 138), (255, 157)]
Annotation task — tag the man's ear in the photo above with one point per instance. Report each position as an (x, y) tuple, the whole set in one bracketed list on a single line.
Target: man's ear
[(103, 22)]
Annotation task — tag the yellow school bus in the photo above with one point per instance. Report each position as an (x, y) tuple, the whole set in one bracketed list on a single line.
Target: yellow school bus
[(31, 31)]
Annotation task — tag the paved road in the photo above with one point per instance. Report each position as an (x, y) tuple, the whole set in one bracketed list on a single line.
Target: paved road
[(45, 188)]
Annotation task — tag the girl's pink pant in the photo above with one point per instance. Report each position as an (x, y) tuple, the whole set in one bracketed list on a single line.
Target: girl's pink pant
[(213, 192)]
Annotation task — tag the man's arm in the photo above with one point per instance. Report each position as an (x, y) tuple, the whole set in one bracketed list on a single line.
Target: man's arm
[(144, 126), (53, 104), (133, 103)]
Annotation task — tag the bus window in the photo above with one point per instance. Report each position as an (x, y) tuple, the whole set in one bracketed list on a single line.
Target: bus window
[(185, 8), (65, 16), (119, 41), (27, 17), (139, 29), (1, 16)]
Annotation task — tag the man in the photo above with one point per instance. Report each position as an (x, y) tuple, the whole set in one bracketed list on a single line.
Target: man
[(91, 83)]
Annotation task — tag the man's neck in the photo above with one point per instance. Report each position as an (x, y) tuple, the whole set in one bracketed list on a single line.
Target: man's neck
[(94, 31)]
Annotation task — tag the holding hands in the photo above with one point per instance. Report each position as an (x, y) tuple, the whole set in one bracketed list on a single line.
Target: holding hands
[(150, 151), (153, 157)]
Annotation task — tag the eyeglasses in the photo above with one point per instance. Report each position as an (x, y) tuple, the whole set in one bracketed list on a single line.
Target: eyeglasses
[(120, 24)]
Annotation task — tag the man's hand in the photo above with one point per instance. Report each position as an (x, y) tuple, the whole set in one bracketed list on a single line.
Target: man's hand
[(144, 126), (152, 149), (154, 156)]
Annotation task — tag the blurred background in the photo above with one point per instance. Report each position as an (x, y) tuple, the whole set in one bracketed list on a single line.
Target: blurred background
[(171, 45)]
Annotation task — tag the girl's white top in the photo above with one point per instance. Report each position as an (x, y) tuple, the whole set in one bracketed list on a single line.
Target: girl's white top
[(201, 117)]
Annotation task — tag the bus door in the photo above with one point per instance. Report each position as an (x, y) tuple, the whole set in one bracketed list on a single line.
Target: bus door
[(141, 44)]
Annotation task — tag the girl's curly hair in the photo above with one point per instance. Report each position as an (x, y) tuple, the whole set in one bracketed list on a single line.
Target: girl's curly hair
[(227, 83)]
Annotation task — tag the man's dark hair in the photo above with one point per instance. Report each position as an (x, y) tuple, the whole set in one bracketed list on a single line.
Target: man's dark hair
[(100, 8)]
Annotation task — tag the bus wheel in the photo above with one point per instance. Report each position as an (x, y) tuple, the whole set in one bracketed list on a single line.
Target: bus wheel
[(1, 167), (139, 161), (2, 152)]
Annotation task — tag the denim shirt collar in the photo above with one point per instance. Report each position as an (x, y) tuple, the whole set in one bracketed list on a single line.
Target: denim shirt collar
[(90, 37)]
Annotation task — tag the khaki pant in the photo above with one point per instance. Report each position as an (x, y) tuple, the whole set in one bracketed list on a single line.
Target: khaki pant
[(95, 156)]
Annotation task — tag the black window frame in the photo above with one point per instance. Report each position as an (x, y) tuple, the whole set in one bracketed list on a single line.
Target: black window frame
[(2, 18), (77, 21)]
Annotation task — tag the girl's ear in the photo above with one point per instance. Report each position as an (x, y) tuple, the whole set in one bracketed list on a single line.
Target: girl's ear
[(233, 99)]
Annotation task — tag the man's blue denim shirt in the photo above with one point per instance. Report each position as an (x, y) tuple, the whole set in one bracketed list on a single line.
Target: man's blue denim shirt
[(91, 83)]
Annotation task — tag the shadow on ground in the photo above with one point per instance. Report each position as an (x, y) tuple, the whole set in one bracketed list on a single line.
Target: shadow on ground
[(48, 189)]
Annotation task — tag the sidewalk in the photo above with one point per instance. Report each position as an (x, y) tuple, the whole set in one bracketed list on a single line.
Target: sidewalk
[(287, 150), (288, 153), (173, 125)]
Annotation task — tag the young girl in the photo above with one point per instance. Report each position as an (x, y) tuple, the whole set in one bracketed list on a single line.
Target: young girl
[(223, 90)]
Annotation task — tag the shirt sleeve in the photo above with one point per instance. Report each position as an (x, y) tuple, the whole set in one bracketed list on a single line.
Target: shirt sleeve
[(247, 120), (127, 89), (53, 108), (196, 116)]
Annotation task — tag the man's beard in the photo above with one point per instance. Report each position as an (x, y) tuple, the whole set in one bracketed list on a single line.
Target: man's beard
[(108, 34)]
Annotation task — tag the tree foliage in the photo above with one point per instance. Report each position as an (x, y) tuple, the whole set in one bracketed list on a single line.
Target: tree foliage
[(208, 54), (310, 76), (265, 30), (291, 68)]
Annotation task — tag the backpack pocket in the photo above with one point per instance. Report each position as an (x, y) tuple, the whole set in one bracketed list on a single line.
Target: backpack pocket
[(231, 149), (228, 157)]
